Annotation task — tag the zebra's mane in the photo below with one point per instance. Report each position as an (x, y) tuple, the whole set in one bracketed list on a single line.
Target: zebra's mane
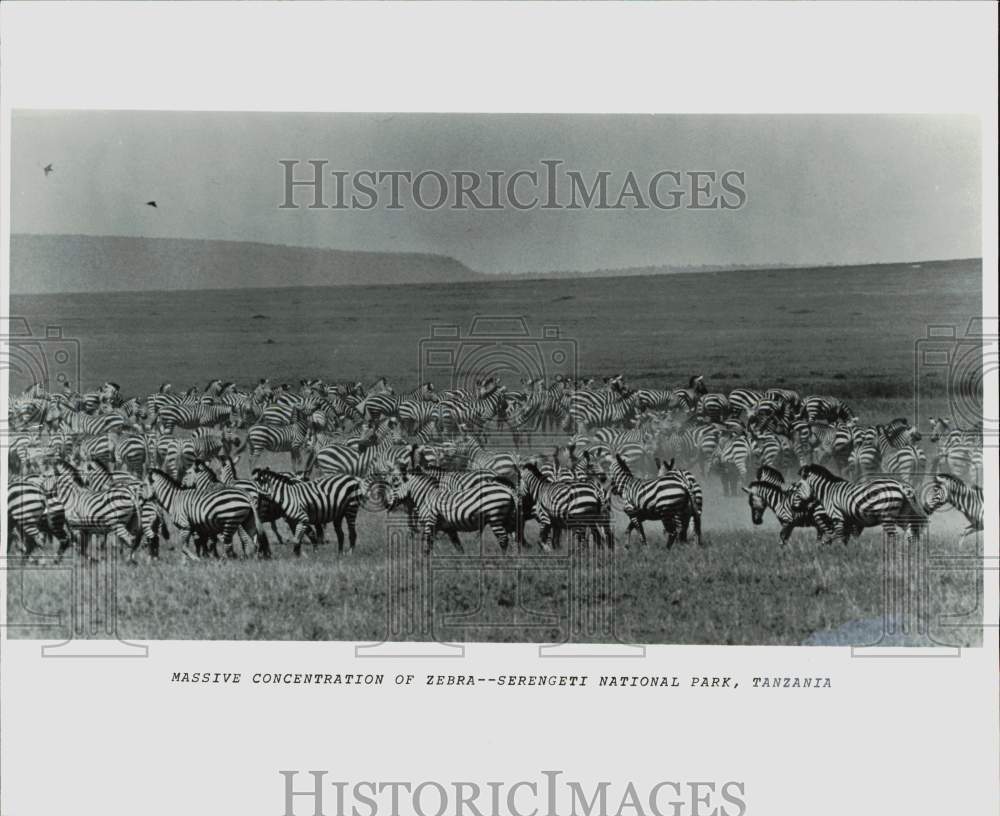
[(277, 474), (167, 478), (206, 468), (625, 468), (101, 466), (957, 484), (820, 471), (769, 487), (773, 473), (532, 468), (72, 471)]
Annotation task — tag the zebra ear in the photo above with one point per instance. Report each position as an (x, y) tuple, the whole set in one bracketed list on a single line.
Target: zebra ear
[(744, 488)]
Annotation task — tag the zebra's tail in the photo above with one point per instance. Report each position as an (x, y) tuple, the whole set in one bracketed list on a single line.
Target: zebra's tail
[(695, 513)]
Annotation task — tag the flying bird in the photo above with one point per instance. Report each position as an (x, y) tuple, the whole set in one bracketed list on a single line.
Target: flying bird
[(150, 203), (47, 169)]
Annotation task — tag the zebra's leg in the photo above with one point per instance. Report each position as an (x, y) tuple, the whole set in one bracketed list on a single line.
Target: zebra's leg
[(669, 529), (500, 531), (298, 532), (455, 541), (352, 526)]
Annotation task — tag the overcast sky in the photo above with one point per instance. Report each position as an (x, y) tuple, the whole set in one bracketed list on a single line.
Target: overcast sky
[(820, 189)]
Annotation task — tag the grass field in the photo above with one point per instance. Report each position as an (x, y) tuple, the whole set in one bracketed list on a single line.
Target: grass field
[(850, 333)]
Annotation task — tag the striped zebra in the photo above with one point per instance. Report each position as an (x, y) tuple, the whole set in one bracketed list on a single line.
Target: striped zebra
[(208, 442), (130, 453), (115, 511), (665, 498), (732, 462), (474, 412), (292, 439), (471, 510), (899, 458), (98, 425), (152, 521), (693, 445), (576, 506), (174, 455), (543, 410), (967, 499), (202, 476), (468, 454), (207, 513), (602, 408), (33, 512), (773, 450), (885, 502), (743, 400), (686, 399), (687, 516), (344, 459), (828, 409), (314, 504), (958, 452), (197, 415), (713, 407), (769, 491)]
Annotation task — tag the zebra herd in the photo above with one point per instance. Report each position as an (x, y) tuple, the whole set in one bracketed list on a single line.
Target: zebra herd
[(563, 452)]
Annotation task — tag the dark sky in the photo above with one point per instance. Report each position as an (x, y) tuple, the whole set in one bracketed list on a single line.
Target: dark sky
[(820, 189)]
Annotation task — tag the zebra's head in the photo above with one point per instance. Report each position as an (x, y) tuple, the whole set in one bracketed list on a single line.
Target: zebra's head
[(801, 495), (933, 496), (756, 501)]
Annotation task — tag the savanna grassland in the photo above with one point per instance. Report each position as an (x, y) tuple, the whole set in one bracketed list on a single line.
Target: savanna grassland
[(849, 333)]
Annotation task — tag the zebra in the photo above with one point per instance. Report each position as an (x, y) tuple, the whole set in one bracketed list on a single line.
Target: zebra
[(472, 509), (193, 416), (115, 511), (278, 438), (899, 459), (773, 450), (32, 512), (958, 452), (714, 407), (206, 512), (829, 409), (732, 461), (174, 455), (468, 454), (770, 491), (684, 518), (967, 499), (342, 458), (314, 504), (743, 400), (130, 453), (556, 505), (687, 398), (94, 425), (878, 501), (202, 476), (208, 442), (665, 498)]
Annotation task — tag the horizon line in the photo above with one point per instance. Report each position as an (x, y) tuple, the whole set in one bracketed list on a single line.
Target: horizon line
[(505, 277), (532, 274)]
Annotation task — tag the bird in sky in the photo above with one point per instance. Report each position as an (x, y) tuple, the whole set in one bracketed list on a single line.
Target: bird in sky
[(150, 203), (48, 169)]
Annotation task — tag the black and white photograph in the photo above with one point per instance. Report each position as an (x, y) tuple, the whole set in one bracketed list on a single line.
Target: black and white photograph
[(319, 368), (499, 408)]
